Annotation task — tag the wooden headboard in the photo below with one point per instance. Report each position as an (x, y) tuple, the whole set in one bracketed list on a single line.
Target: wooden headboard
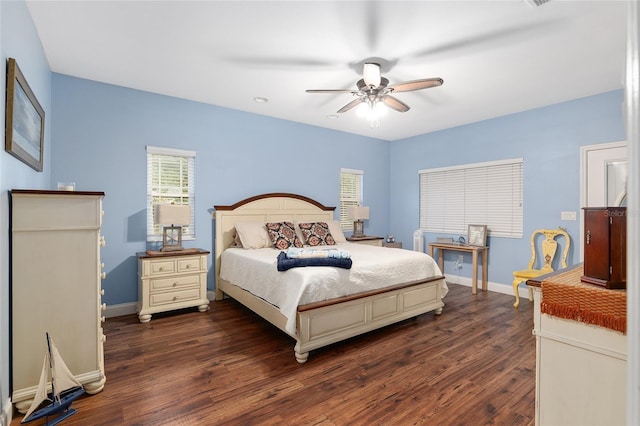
[(272, 207)]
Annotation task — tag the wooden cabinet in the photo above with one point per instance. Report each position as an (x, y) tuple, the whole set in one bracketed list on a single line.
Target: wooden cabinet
[(605, 246), (171, 280), (55, 287)]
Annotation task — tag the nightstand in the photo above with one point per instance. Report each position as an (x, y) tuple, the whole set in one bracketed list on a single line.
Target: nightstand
[(171, 280), (368, 240), (393, 245)]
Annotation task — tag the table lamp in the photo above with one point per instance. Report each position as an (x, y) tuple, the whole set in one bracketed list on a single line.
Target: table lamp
[(357, 214), (176, 216)]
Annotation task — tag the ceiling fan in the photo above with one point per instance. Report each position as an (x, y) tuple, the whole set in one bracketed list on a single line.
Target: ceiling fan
[(373, 88)]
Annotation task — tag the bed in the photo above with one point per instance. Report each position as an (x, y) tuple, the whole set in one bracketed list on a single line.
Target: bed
[(312, 320)]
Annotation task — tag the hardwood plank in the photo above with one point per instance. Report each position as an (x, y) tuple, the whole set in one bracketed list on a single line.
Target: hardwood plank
[(474, 364)]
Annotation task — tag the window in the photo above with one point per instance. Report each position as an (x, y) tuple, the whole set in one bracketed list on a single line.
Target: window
[(170, 179), (489, 194), (350, 194)]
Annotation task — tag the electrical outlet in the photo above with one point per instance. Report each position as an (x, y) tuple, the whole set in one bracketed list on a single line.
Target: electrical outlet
[(459, 262), (567, 215)]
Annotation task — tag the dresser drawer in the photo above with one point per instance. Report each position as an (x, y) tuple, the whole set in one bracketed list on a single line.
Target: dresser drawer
[(174, 297), (177, 282)]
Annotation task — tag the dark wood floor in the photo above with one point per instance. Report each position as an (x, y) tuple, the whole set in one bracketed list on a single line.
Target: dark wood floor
[(473, 365)]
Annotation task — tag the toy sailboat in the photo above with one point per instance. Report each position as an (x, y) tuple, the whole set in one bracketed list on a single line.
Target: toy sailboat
[(64, 389)]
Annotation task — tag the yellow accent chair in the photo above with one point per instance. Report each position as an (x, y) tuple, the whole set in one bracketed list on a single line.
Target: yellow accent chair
[(547, 250)]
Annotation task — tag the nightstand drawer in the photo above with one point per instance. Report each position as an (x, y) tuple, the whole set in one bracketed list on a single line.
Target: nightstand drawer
[(174, 297), (177, 282), (160, 267), (189, 264)]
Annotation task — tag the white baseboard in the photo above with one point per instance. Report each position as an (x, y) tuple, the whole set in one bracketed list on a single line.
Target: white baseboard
[(7, 413), (120, 310), (130, 308), (491, 286)]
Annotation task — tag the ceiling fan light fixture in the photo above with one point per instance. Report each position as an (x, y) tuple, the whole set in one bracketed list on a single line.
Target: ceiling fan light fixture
[(371, 74), (372, 111)]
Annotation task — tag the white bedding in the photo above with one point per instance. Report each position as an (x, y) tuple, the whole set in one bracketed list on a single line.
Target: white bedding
[(373, 268)]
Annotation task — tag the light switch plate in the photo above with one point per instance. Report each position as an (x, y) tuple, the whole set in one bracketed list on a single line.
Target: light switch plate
[(568, 215)]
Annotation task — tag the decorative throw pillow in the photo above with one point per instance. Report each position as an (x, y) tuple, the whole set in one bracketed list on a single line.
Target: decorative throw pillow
[(283, 235), (252, 235), (336, 231), (317, 234)]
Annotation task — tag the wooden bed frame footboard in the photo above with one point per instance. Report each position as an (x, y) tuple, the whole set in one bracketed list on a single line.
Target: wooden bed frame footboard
[(323, 323)]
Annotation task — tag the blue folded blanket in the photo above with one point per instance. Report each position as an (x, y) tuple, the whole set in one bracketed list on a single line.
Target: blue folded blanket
[(285, 262), (299, 253)]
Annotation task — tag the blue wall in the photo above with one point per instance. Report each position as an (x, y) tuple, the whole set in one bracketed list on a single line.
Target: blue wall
[(101, 132), (548, 139), (19, 40)]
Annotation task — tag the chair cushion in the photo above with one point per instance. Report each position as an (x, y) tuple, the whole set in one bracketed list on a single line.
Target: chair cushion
[(529, 273)]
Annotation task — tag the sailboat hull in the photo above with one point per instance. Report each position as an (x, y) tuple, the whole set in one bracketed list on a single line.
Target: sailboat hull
[(61, 408)]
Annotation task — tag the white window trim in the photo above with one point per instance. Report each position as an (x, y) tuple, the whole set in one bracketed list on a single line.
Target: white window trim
[(153, 236), (452, 198)]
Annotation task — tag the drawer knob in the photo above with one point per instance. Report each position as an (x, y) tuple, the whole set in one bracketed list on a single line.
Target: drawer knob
[(175, 298), (102, 292), (188, 266), (175, 283), (161, 268), (103, 275), (104, 306)]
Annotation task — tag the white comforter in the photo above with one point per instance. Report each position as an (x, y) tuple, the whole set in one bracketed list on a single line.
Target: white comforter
[(373, 268)]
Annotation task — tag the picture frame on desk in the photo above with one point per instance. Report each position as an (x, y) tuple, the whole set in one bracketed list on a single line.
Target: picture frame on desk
[(24, 120), (477, 235)]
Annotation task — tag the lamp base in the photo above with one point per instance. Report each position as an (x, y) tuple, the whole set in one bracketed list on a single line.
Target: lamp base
[(172, 238), (358, 229)]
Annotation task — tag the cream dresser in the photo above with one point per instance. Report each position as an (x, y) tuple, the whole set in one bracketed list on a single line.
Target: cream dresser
[(55, 287), (171, 280), (581, 368)]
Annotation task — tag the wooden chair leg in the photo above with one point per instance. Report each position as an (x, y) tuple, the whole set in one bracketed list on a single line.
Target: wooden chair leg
[(530, 294), (516, 282)]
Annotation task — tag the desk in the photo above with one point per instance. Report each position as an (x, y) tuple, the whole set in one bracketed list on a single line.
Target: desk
[(474, 250)]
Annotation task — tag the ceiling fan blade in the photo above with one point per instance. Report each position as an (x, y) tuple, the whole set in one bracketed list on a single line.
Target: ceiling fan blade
[(330, 91), (424, 83), (396, 104), (351, 105)]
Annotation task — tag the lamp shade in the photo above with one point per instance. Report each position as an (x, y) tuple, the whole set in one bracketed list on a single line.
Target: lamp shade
[(358, 212), (172, 214), (371, 74)]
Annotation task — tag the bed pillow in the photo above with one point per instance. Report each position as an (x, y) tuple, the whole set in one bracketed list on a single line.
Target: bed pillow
[(253, 235), (336, 231), (283, 235), (317, 234)]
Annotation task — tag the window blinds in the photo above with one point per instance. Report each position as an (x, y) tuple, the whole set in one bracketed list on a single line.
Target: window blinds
[(350, 194), (489, 194), (170, 179)]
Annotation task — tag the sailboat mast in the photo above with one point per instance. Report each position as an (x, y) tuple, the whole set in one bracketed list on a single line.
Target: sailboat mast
[(53, 380)]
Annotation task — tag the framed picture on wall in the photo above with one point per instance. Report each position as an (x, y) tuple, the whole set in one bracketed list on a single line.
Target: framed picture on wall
[(24, 121), (477, 235)]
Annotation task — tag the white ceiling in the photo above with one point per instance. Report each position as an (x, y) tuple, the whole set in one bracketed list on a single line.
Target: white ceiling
[(496, 57)]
